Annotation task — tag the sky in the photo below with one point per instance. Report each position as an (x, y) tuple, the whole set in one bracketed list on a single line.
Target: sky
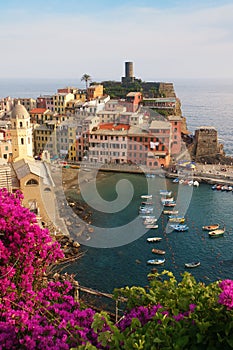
[(165, 39)]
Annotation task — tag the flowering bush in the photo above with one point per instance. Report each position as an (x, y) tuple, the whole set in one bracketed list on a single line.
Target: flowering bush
[(36, 313)]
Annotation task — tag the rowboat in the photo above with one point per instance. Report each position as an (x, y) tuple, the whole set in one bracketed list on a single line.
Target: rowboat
[(169, 204), (149, 221), (154, 239), (210, 227), (158, 251), (193, 264), (216, 233), (179, 227), (155, 261), (171, 212), (174, 218), (165, 193), (152, 226), (146, 196), (165, 200)]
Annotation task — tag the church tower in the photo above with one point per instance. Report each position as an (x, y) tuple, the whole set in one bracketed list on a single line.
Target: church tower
[(21, 133)]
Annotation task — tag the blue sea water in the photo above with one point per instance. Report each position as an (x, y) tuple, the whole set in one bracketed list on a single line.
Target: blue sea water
[(204, 102), (108, 268)]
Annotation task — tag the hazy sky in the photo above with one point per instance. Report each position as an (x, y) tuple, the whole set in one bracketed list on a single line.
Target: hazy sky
[(165, 39)]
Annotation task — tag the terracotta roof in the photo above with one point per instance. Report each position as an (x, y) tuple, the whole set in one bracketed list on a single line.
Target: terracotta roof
[(111, 126), (38, 110)]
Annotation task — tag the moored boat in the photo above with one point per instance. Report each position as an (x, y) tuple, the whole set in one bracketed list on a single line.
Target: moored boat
[(154, 239), (158, 251), (146, 196), (174, 218), (150, 226), (155, 261), (149, 221), (165, 193), (216, 233), (171, 212), (210, 227), (192, 264), (179, 227), (169, 204)]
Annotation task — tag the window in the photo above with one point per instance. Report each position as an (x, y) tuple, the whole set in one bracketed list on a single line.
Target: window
[(20, 124), (22, 141), (32, 182)]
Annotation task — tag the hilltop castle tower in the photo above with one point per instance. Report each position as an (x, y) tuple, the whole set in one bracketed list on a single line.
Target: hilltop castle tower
[(21, 133), (129, 75)]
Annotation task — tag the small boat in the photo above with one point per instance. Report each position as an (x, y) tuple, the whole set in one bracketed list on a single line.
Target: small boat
[(146, 196), (196, 183), (154, 239), (150, 217), (149, 221), (210, 227), (216, 233), (152, 226), (171, 212), (164, 199), (214, 187), (169, 204), (193, 264), (165, 193), (147, 203), (174, 218), (158, 251), (155, 261), (146, 210), (176, 180), (179, 227)]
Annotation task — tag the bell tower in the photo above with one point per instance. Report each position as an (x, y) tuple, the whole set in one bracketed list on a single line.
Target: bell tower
[(21, 133)]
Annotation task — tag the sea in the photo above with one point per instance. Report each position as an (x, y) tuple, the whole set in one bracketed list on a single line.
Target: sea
[(204, 103)]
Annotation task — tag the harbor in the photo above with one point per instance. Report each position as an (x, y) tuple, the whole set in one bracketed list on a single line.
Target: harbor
[(126, 264)]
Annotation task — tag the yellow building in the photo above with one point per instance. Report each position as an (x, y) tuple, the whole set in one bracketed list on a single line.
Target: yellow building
[(60, 101), (95, 91), (28, 103), (21, 133)]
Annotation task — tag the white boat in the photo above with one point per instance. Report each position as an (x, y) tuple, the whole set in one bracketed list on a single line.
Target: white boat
[(146, 196), (152, 226), (154, 239), (155, 261), (193, 264), (150, 217), (171, 212), (216, 233), (179, 227), (149, 221), (165, 199), (146, 211), (165, 193)]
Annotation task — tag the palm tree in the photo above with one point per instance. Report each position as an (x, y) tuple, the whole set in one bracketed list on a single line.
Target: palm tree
[(86, 78)]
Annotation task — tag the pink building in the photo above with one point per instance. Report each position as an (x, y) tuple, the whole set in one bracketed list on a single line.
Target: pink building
[(176, 140), (108, 144), (150, 147)]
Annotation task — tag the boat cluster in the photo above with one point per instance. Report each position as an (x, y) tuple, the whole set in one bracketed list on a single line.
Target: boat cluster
[(214, 231), (226, 188), (186, 182), (146, 210)]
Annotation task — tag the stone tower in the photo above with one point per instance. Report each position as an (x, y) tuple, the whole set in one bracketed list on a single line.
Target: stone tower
[(206, 143), (129, 74), (21, 133)]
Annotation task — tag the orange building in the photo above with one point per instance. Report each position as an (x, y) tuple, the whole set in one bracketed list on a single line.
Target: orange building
[(95, 91)]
